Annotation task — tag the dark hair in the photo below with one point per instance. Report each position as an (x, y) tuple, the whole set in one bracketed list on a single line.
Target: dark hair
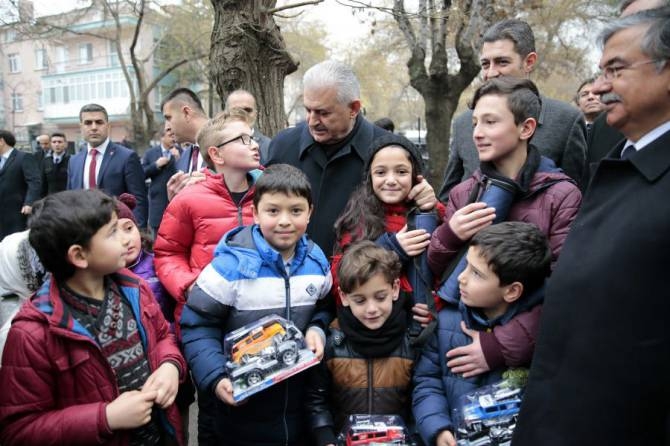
[(385, 123), (8, 137), (584, 82), (523, 97), (64, 219), (363, 217), (518, 31), (93, 108), (516, 252), (186, 96), (58, 135), (283, 178), (362, 261)]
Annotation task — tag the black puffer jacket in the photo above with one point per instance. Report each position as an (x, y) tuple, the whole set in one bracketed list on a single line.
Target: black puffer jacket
[(347, 383)]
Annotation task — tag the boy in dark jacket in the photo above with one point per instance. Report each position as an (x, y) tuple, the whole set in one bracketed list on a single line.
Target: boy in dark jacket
[(268, 268), (507, 264), (368, 361), (89, 358)]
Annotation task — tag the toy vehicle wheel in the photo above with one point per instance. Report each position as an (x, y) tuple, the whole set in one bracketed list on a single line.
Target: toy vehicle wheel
[(289, 357), (254, 377)]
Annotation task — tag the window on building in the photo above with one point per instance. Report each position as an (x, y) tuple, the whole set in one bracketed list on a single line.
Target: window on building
[(17, 102), (41, 62), (40, 101), (113, 55), (85, 53), (10, 35), (61, 58), (14, 63)]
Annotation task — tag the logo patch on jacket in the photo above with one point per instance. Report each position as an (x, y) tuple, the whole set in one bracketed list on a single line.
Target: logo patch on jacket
[(311, 289)]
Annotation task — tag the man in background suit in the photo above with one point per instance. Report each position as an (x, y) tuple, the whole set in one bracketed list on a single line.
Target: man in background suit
[(106, 165), (19, 185), (43, 149), (159, 164), (54, 168), (246, 101), (184, 116)]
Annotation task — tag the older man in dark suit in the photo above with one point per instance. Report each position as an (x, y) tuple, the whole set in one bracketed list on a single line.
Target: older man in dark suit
[(20, 185), (602, 361), (105, 165)]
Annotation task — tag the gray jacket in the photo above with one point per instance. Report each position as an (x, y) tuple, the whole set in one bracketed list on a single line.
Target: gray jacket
[(560, 135)]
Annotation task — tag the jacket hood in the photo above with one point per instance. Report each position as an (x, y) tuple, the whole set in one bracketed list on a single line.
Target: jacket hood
[(247, 245)]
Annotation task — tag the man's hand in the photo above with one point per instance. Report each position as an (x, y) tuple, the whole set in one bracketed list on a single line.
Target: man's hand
[(26, 210), (224, 392), (470, 219), (180, 180), (413, 242), (423, 195), (165, 381), (130, 409), (175, 153), (468, 360), (445, 438), (162, 161), (314, 342)]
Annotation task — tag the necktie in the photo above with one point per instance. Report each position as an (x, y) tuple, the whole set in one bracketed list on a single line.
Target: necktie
[(589, 129), (56, 160), (194, 158), (2, 162), (628, 152), (91, 169)]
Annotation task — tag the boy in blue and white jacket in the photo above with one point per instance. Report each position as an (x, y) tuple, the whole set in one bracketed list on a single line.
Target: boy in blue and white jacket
[(268, 268)]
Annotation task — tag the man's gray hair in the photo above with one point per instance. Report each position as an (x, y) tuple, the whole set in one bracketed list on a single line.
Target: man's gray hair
[(331, 73), (626, 3), (656, 40)]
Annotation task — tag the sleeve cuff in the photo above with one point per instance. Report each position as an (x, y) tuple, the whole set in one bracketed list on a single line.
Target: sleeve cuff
[(492, 350)]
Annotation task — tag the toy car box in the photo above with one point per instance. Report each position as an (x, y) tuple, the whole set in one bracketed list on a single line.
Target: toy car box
[(264, 353), (487, 416), (374, 430)]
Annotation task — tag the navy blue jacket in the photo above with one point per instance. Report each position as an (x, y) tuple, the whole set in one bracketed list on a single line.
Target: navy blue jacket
[(158, 188), (437, 390), (120, 171)]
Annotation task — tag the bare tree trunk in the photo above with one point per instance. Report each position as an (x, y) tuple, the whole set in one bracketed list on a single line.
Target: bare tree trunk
[(249, 52), (439, 88)]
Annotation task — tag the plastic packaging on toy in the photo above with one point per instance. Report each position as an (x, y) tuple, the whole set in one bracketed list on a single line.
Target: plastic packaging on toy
[(487, 416), (264, 353), (374, 430)]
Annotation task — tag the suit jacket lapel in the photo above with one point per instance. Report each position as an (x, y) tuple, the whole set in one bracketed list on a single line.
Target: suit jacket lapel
[(109, 154)]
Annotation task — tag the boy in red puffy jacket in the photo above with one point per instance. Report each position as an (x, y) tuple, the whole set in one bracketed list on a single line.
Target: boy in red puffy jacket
[(89, 358)]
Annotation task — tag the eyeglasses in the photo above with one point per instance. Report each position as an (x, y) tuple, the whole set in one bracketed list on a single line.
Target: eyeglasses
[(246, 140), (611, 72)]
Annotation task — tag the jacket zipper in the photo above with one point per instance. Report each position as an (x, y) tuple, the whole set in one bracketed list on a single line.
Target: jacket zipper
[(287, 291)]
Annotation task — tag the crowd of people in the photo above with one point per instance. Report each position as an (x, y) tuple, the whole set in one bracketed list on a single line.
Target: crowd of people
[(542, 250)]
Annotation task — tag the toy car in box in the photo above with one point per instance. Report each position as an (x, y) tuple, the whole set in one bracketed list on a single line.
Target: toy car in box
[(487, 417), (264, 353), (374, 430)]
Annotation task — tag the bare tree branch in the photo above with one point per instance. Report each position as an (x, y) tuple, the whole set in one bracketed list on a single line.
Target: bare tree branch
[(294, 5)]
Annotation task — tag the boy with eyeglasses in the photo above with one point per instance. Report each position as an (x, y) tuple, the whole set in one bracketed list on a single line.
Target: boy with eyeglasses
[(196, 219)]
